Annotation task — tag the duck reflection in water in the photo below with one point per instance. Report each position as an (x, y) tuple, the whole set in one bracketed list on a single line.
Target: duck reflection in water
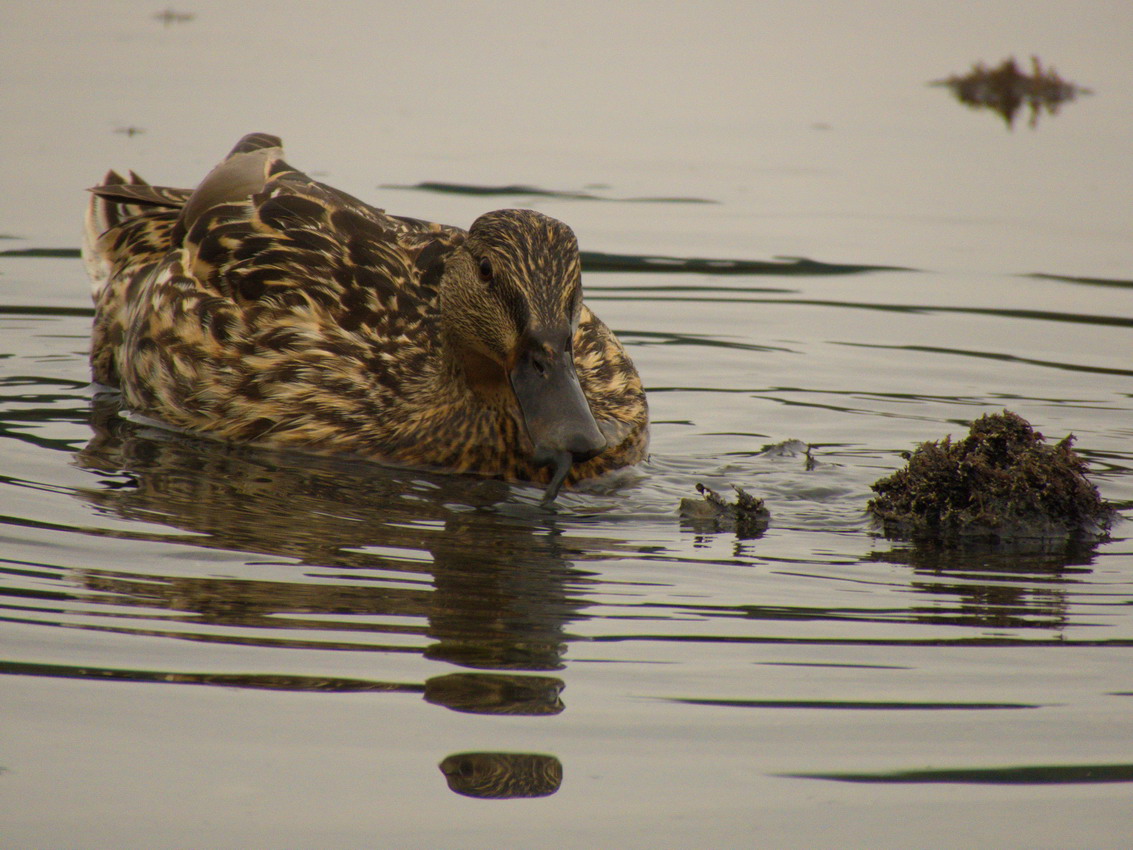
[(485, 578)]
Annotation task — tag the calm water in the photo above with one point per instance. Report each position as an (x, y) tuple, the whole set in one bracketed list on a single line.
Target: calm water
[(211, 646)]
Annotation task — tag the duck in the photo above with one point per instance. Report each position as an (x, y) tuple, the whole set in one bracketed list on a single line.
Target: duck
[(266, 308)]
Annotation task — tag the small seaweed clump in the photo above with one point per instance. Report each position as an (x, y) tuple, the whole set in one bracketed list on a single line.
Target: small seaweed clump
[(748, 517), (1001, 483), (1006, 88)]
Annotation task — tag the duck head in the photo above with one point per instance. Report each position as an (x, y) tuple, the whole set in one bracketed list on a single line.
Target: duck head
[(511, 298)]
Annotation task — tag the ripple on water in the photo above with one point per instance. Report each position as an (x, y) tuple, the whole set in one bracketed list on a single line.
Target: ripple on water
[(135, 556)]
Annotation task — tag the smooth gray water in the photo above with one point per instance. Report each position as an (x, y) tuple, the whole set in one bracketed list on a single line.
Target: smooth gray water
[(211, 646)]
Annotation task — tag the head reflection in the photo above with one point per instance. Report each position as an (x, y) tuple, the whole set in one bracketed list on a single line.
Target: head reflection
[(502, 775)]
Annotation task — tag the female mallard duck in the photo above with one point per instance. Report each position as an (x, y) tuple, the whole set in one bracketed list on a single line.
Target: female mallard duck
[(266, 307)]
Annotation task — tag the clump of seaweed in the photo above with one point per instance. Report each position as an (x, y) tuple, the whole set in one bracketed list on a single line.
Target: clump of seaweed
[(748, 517), (1002, 483), (1005, 89)]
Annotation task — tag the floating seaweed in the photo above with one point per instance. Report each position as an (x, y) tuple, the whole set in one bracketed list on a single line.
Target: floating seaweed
[(748, 517), (1001, 484), (1006, 89)]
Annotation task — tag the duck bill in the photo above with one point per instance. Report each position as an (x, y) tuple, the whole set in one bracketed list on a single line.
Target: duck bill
[(558, 418)]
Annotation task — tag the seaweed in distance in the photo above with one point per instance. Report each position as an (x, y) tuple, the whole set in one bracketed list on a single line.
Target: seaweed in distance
[(1006, 89)]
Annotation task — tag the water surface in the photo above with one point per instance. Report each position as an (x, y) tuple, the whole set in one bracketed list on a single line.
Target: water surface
[(217, 646)]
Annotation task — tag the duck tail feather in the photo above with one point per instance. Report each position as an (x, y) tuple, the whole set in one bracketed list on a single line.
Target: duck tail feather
[(133, 198), (102, 214), (113, 202)]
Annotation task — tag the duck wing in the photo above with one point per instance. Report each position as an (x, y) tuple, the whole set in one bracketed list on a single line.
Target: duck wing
[(272, 294), (611, 384), (295, 242)]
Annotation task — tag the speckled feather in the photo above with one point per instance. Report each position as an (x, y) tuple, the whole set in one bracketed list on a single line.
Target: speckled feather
[(274, 309)]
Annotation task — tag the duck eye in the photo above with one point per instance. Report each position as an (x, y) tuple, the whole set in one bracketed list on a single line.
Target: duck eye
[(485, 269)]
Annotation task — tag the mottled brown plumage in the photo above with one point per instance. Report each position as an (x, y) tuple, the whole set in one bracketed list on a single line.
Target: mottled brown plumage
[(265, 307)]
